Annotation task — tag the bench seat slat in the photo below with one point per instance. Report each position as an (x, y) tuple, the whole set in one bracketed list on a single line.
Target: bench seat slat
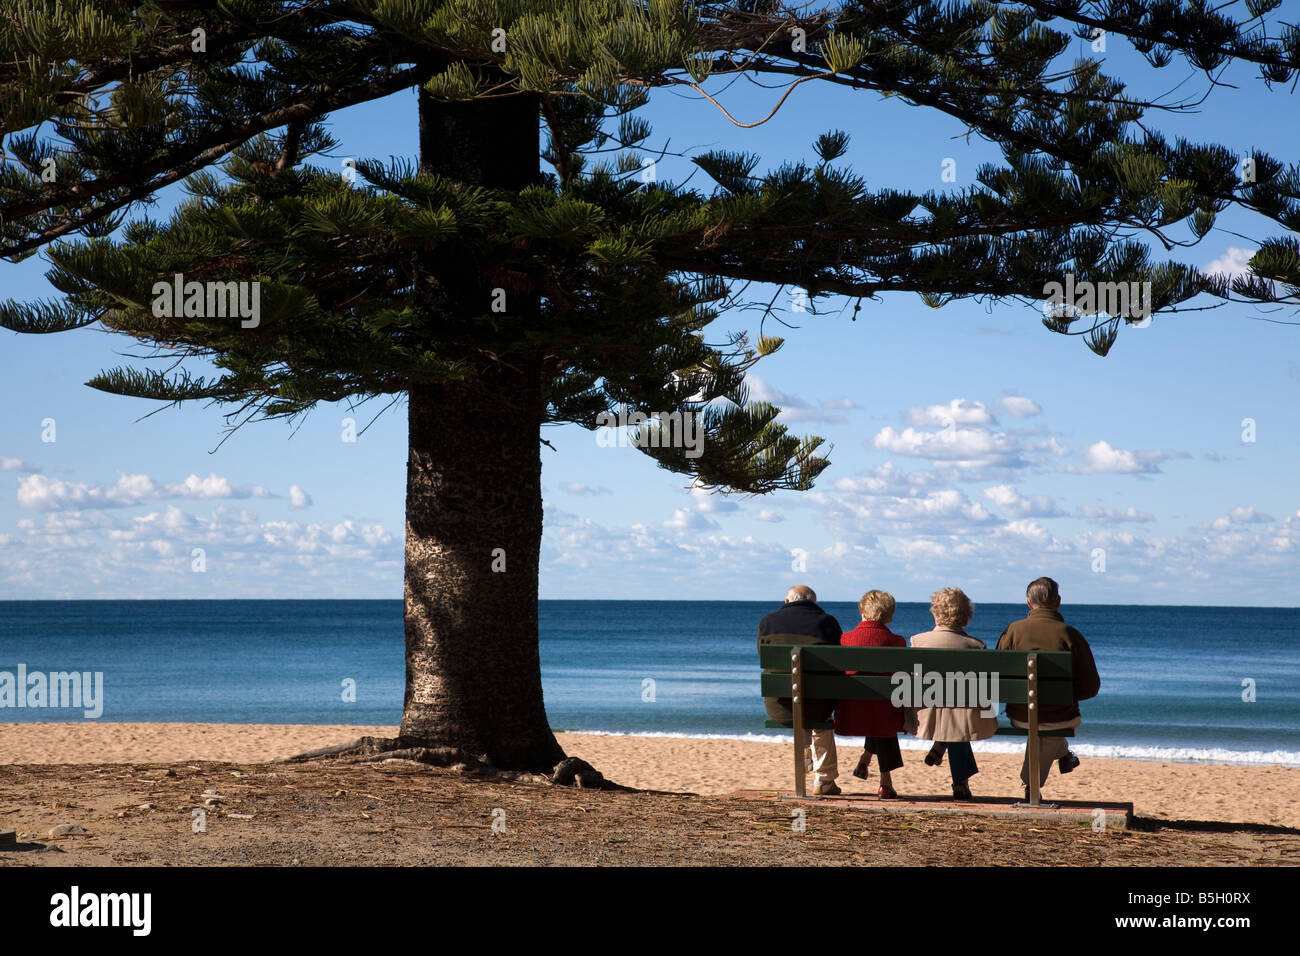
[(1002, 731), (831, 658), (841, 686)]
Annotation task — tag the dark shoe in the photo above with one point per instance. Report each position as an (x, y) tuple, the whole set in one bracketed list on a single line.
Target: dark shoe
[(935, 756), (961, 792), (863, 769), (887, 793), (828, 790), (1068, 762)]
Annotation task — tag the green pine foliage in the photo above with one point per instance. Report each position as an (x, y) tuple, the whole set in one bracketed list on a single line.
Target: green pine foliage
[(371, 284)]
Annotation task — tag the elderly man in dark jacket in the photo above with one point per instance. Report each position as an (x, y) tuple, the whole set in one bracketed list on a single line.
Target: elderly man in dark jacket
[(801, 621), (1045, 630)]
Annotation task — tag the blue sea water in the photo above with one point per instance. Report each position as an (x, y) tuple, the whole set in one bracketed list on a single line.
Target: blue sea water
[(1172, 677)]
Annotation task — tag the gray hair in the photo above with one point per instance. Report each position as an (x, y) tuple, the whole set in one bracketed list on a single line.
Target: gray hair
[(951, 608), (1043, 593), (800, 592)]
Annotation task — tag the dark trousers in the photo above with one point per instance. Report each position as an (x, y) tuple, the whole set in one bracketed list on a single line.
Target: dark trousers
[(961, 761), (888, 755)]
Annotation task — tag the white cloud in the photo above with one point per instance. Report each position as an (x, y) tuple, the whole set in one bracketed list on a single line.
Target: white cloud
[(962, 518), (17, 464), (1028, 529), (860, 517), (683, 550), (911, 547), (717, 504), (41, 493), (1240, 515), (761, 391), (1015, 505), (298, 498), (961, 447), (957, 412), (1233, 263), (793, 407), (962, 441), (1111, 515), (712, 501), (889, 479), (99, 552), (1019, 406), (685, 518), (1101, 458), (577, 488), (1059, 449)]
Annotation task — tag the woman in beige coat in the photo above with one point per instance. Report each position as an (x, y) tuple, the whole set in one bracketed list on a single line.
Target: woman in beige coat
[(954, 727)]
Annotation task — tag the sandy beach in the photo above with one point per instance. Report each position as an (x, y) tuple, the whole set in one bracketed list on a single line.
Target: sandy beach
[(1165, 791)]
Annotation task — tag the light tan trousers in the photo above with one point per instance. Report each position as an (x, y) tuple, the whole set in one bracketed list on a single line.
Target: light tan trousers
[(819, 756), (1050, 750)]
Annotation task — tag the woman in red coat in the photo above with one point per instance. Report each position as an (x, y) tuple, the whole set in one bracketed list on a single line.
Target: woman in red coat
[(877, 720)]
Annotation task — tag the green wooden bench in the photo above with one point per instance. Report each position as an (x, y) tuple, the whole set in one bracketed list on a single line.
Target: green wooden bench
[(804, 672)]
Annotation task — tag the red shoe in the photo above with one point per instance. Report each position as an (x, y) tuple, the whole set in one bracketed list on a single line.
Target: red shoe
[(887, 793)]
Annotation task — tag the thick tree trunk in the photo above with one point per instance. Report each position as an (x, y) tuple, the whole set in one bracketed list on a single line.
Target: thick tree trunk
[(474, 495), (474, 503)]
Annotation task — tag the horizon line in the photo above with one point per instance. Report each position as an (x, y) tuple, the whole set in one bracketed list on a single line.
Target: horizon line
[(926, 602)]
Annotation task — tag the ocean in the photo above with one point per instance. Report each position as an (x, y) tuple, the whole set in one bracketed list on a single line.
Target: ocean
[(1174, 679)]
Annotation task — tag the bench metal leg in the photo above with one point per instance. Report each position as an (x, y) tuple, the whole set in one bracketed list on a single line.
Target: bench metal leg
[(1032, 740), (800, 737)]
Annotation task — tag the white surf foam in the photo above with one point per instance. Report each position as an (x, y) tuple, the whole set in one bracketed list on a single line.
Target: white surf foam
[(1284, 758)]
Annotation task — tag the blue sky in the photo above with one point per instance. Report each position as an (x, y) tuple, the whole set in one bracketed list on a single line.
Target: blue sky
[(1055, 459)]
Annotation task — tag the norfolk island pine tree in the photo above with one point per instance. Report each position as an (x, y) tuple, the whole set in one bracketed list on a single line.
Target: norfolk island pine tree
[(498, 293)]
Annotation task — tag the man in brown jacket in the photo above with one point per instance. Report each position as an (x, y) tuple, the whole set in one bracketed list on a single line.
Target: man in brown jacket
[(1045, 630)]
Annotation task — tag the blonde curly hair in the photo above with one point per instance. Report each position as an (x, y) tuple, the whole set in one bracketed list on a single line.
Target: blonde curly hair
[(877, 606), (951, 608)]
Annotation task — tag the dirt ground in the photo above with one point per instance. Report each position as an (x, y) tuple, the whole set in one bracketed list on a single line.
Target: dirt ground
[(403, 814)]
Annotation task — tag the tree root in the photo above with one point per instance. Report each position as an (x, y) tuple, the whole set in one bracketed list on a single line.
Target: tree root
[(370, 749), (569, 772), (572, 772), (357, 746)]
